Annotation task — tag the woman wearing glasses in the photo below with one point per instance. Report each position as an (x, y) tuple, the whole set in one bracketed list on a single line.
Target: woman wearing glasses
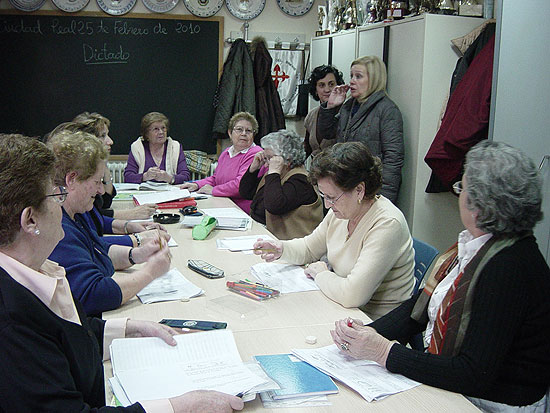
[(89, 261), (155, 156), (51, 352), (233, 162), (365, 238), (485, 309)]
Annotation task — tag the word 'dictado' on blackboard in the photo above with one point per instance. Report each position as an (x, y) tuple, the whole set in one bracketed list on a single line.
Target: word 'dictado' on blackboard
[(102, 56)]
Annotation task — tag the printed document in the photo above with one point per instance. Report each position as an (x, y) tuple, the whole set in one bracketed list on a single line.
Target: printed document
[(148, 368), (287, 278), (171, 286), (368, 378)]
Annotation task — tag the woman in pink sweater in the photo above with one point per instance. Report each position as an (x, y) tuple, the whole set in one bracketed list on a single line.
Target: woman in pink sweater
[(233, 162)]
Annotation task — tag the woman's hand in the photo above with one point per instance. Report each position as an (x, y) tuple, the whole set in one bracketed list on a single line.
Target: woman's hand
[(151, 174), (269, 250), (361, 342), (315, 268), (149, 249), (140, 328), (152, 235), (191, 186), (134, 227), (276, 164), (257, 162), (164, 176), (206, 401), (140, 212), (337, 96), (206, 189)]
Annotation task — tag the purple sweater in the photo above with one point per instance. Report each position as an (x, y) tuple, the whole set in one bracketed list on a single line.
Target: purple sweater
[(131, 174), (228, 174)]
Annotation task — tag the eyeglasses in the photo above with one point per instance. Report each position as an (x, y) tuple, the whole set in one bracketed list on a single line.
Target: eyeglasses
[(457, 187), (329, 200), (59, 194), (240, 130)]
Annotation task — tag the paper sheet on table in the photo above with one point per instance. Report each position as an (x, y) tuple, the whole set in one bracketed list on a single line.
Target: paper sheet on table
[(172, 242), (161, 196), (171, 286), (368, 378), (148, 368), (244, 243), (287, 278), (228, 218)]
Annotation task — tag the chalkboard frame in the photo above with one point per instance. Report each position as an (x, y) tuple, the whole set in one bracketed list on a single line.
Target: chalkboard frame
[(123, 138)]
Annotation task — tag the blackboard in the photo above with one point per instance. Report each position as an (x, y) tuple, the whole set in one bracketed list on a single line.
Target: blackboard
[(55, 66)]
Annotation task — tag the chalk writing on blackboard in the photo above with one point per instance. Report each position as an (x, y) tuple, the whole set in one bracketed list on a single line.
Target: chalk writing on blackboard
[(104, 55)]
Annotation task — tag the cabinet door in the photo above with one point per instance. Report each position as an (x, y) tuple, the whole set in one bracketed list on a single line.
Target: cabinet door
[(343, 52), (371, 42)]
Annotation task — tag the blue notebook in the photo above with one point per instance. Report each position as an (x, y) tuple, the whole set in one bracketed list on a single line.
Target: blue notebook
[(296, 377)]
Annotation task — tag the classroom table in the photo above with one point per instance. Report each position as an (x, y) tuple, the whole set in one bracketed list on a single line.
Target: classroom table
[(268, 327)]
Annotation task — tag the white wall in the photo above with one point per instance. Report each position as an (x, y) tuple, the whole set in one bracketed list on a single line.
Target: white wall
[(520, 109)]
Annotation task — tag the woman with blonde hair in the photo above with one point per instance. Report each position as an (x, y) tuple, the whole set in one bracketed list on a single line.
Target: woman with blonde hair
[(368, 116)]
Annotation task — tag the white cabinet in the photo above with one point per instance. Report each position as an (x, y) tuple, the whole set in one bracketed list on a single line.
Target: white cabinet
[(420, 64)]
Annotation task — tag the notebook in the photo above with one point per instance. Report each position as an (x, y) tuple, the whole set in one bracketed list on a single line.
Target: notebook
[(296, 377)]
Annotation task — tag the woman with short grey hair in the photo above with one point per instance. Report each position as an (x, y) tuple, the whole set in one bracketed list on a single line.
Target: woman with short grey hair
[(282, 197), (485, 308)]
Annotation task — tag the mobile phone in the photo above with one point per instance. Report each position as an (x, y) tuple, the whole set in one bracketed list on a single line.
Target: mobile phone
[(193, 324), (203, 268)]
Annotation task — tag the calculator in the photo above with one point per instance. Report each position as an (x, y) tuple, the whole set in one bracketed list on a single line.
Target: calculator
[(205, 269)]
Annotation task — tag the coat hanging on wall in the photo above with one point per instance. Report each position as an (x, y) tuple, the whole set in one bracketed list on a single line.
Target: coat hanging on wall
[(269, 111)]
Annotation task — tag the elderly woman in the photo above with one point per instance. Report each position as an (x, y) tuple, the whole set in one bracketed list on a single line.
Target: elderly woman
[(369, 116), (155, 156), (276, 181), (233, 162), (129, 233), (321, 82), (89, 261), (52, 351), (364, 236), (485, 309), (98, 125)]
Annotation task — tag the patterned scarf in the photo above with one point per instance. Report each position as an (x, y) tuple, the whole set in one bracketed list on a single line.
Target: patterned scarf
[(453, 316)]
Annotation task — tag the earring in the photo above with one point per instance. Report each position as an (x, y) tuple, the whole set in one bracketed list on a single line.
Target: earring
[(359, 201), (36, 232)]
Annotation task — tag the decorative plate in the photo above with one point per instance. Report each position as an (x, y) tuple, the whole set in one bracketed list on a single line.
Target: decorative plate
[(70, 6), (295, 7), (245, 9), (116, 7), (160, 6), (203, 8), (27, 5)]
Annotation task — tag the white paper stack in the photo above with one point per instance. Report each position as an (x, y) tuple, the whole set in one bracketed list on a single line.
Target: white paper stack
[(158, 197), (150, 369), (287, 278), (244, 243), (368, 378), (171, 286)]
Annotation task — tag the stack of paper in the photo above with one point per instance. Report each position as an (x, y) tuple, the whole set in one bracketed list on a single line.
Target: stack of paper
[(368, 378), (171, 286), (162, 196), (244, 243), (230, 218), (286, 278), (149, 369)]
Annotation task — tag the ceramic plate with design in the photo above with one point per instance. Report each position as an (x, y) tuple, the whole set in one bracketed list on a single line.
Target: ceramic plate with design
[(245, 9), (160, 6), (203, 8), (116, 7), (295, 7), (27, 5), (70, 6)]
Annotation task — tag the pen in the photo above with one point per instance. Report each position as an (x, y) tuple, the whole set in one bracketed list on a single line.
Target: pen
[(263, 249), (350, 322)]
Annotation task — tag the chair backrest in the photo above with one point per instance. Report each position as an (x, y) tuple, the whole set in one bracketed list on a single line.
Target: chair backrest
[(424, 254)]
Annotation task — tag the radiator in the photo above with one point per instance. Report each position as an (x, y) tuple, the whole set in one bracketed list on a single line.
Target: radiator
[(117, 170)]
